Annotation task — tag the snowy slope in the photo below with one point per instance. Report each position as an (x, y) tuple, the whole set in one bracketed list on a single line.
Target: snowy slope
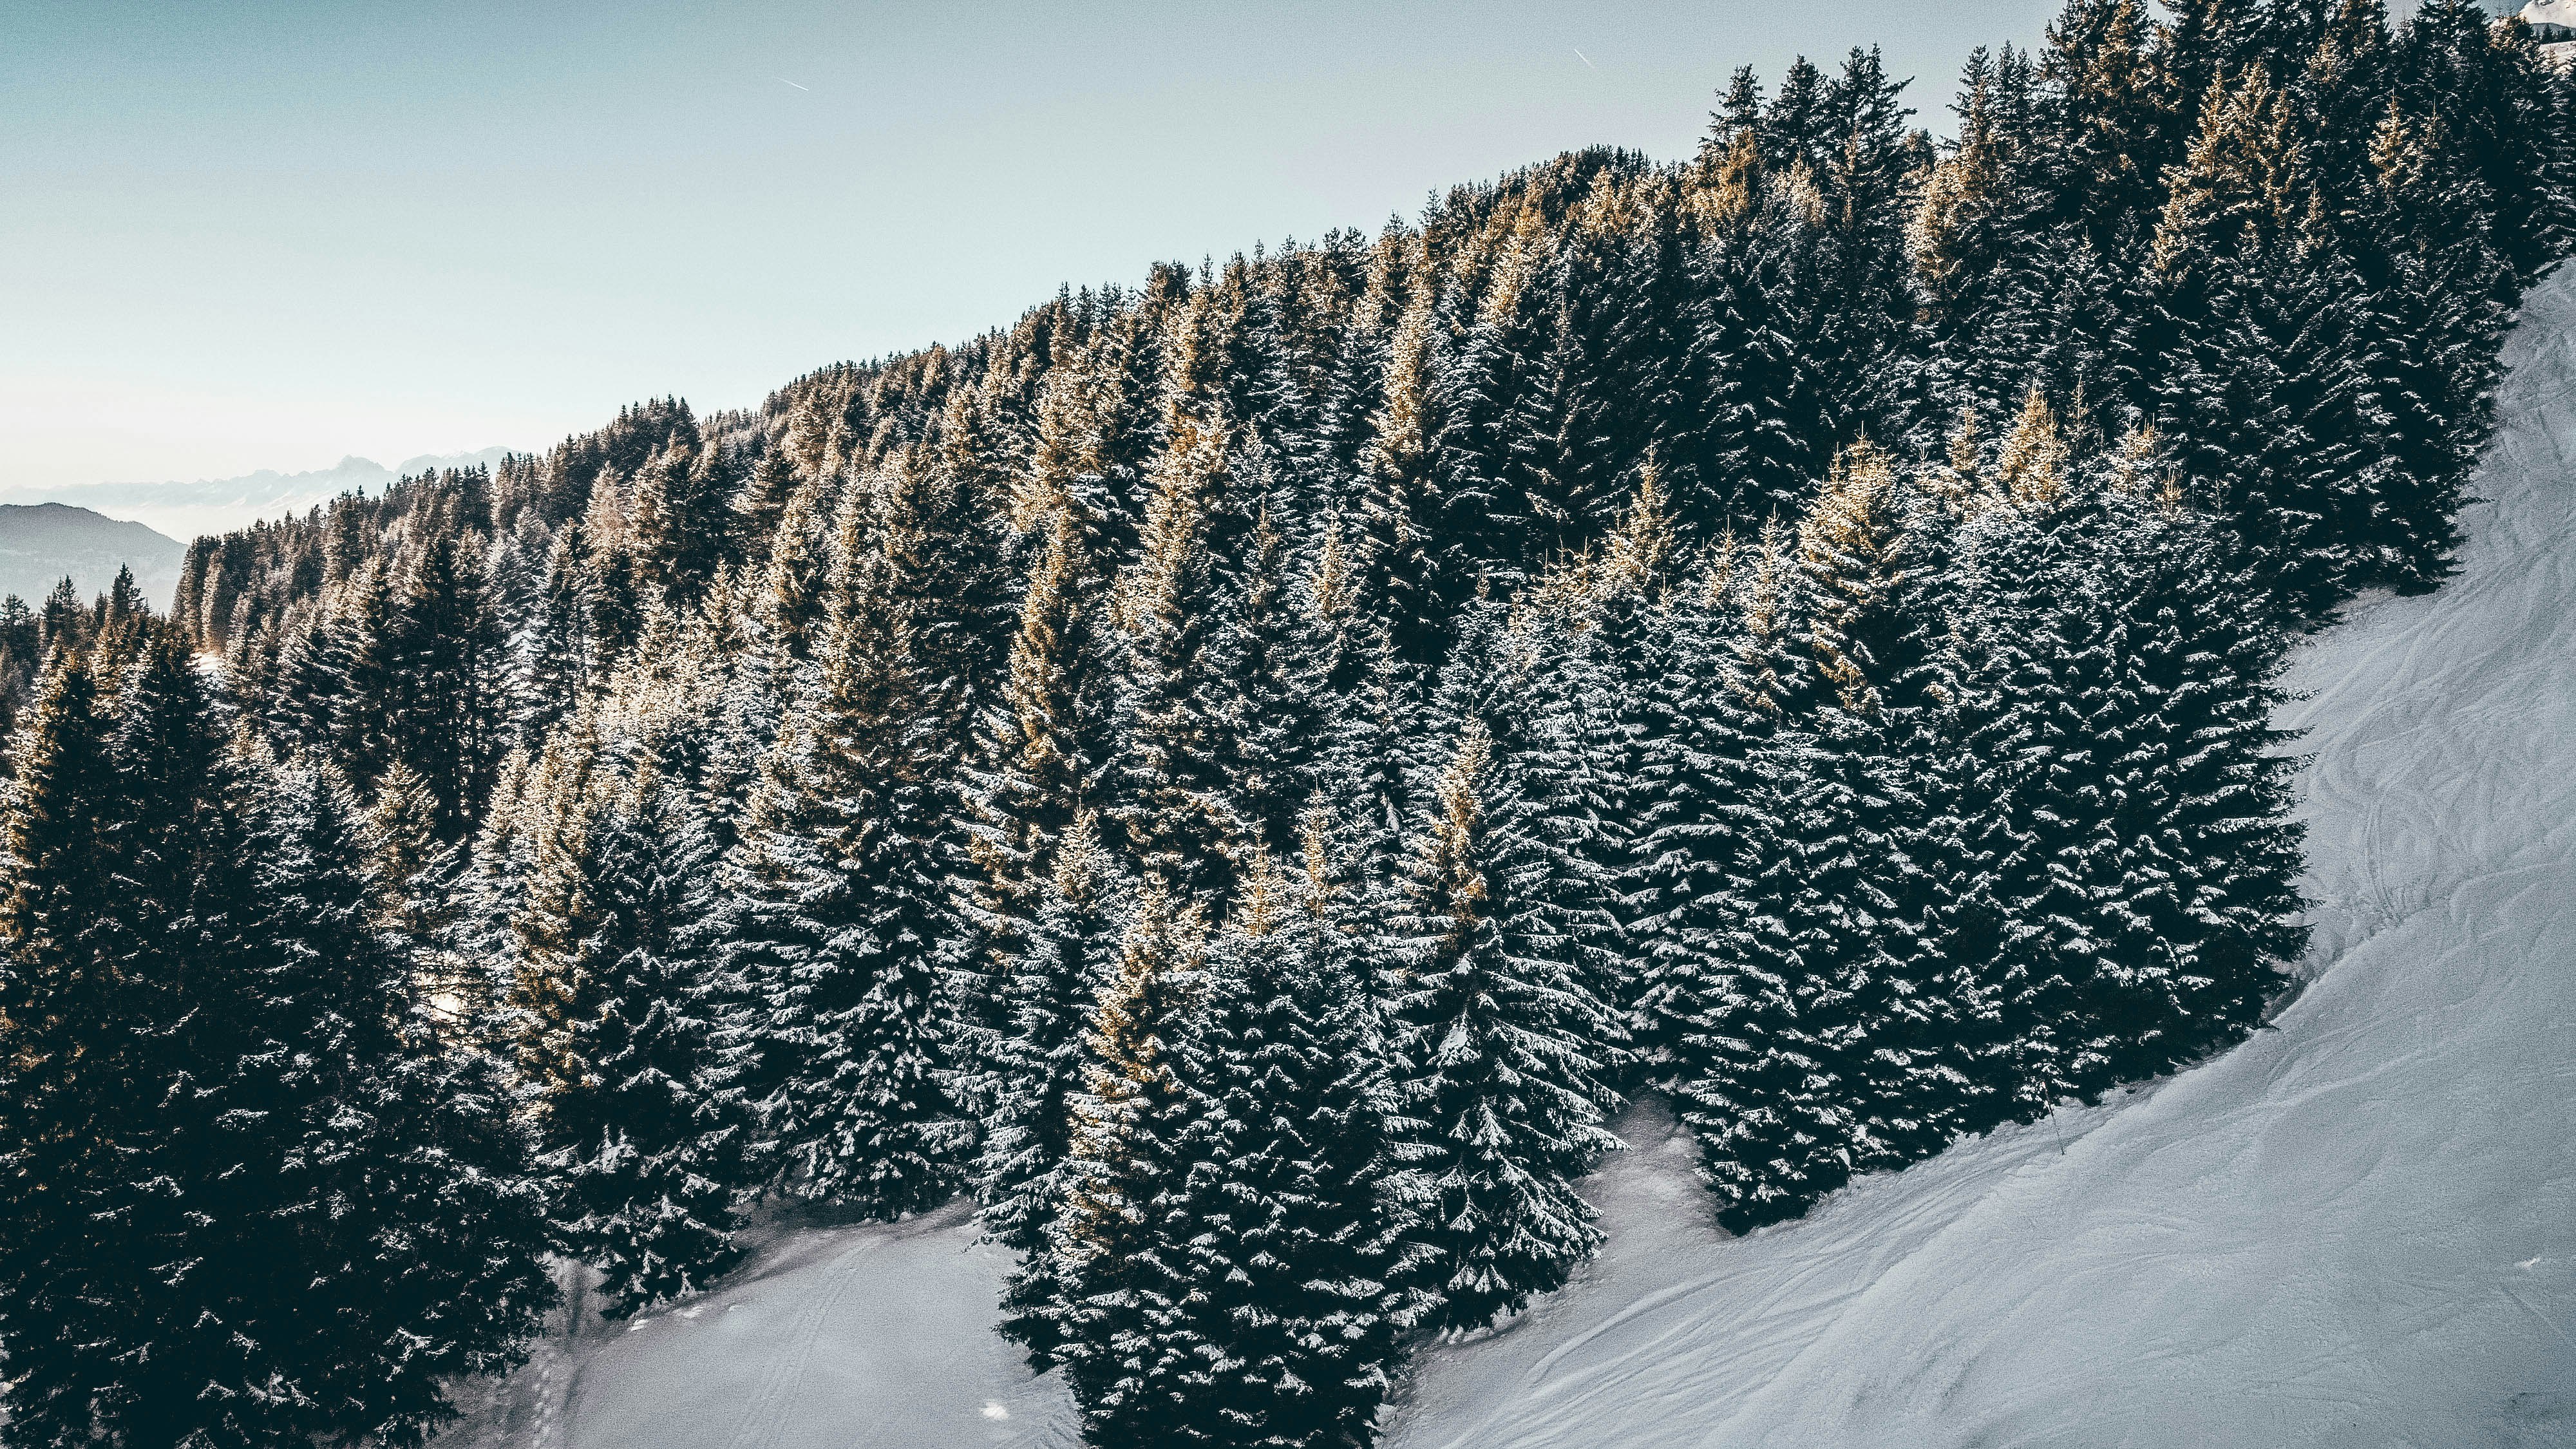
[(2358, 1228), (851, 1338), (2553, 23)]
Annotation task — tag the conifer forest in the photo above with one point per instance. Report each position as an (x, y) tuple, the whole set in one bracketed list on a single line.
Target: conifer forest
[(1243, 774)]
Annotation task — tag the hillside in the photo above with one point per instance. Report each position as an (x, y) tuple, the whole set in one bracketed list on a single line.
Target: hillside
[(1686, 708), (40, 543), (2553, 24), (2359, 1227)]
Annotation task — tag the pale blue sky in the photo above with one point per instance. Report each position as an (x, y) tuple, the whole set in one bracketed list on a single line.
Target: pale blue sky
[(242, 236)]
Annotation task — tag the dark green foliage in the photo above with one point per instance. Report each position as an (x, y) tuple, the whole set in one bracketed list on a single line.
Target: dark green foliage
[(407, 1249), (1505, 1044), (1041, 1061), (841, 920), (651, 1146), (1121, 1242), (254, 1196), (1298, 1232)]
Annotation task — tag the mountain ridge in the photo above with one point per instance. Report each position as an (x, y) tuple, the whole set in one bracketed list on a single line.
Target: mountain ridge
[(185, 510), (40, 543)]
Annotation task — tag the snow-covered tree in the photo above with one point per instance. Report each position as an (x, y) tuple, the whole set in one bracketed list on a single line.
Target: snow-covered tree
[(1041, 1063), (652, 1148), (1503, 1047)]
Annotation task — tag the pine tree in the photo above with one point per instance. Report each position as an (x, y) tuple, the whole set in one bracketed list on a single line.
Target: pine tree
[(1033, 773), (1168, 800), (794, 594), (554, 666), (1865, 173), (405, 1247), (423, 875), (1691, 790), (653, 1146), (77, 1260), (263, 1243), (684, 499), (445, 656), (365, 681), (1288, 1228), (840, 921), (2193, 864), (63, 623), (1412, 572), (1868, 635), (1273, 661), (1769, 1083), (1502, 1068), (762, 502), (1755, 439), (1041, 1062), (547, 913), (1121, 1330)]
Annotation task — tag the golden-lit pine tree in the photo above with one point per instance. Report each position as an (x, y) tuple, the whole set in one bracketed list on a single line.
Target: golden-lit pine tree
[(842, 923), (1505, 1045), (1033, 775), (1168, 799), (2030, 468)]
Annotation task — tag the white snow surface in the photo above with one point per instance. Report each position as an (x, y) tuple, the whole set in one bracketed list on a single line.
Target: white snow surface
[(2357, 1228), (2550, 12), (870, 1337)]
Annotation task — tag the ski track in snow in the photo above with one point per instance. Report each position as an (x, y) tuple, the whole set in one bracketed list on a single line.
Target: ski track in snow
[(762, 1426), (2357, 1228)]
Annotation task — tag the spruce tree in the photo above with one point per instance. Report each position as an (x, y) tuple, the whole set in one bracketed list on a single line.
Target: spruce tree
[(1123, 1336), (423, 879), (653, 1147), (1040, 1063), (78, 1264), (684, 498), (1174, 817), (554, 663), (1033, 772), (1287, 1225), (840, 920), (299, 1213), (1503, 1071), (445, 655), (1691, 821), (405, 1247), (1273, 663), (1769, 1085)]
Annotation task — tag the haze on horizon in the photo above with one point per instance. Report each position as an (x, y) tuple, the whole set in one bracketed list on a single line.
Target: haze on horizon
[(265, 237)]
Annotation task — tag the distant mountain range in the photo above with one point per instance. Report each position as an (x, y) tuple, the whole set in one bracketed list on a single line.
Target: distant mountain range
[(2552, 22), (40, 543), (217, 505)]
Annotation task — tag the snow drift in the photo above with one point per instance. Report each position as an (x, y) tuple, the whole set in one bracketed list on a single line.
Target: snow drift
[(2359, 1227)]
